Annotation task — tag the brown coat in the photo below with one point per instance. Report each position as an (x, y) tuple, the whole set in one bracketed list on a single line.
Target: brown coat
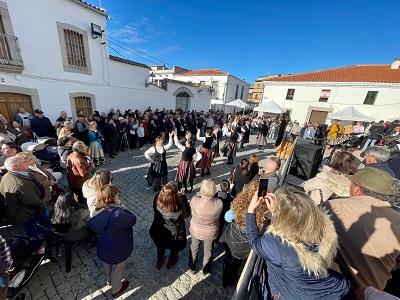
[(43, 179), (78, 170), (369, 244)]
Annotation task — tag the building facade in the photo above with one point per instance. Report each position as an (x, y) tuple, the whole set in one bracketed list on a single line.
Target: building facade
[(52, 58), (373, 90)]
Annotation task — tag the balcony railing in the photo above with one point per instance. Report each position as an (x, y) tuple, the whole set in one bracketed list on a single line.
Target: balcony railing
[(10, 53)]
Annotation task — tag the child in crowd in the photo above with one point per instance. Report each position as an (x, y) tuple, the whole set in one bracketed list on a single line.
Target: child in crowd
[(140, 134), (227, 199)]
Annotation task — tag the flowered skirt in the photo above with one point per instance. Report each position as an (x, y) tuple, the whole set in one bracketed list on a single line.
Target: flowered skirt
[(186, 171), (206, 158), (96, 153)]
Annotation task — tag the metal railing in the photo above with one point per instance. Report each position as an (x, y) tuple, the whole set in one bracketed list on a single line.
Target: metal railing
[(10, 52), (252, 275)]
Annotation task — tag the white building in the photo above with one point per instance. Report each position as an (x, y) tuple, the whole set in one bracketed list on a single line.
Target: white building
[(222, 87), (49, 59), (374, 90)]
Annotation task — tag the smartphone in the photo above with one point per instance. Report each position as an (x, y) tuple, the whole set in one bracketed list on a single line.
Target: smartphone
[(262, 187)]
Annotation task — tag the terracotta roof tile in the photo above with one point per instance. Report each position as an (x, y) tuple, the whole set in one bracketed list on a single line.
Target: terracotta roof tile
[(101, 10), (204, 72), (357, 73)]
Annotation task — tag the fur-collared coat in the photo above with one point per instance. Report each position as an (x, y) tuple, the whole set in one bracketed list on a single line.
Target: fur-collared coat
[(297, 270)]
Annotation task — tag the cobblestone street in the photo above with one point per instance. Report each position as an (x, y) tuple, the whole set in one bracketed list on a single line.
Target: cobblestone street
[(86, 279)]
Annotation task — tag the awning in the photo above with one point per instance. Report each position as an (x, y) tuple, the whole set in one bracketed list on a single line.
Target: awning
[(271, 107), (350, 114)]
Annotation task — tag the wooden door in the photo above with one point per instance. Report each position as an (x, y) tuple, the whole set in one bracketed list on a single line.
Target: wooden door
[(10, 104), (318, 117)]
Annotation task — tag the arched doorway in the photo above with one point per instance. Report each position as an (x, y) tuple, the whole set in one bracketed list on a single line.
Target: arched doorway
[(183, 96), (182, 101)]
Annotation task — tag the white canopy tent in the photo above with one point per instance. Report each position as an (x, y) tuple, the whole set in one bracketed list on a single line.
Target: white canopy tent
[(350, 114), (271, 107), (238, 103)]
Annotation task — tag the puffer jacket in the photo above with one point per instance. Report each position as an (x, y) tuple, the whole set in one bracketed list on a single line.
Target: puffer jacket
[(114, 228), (22, 197), (235, 237)]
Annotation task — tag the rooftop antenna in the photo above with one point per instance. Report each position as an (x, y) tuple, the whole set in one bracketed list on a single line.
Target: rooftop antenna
[(100, 3)]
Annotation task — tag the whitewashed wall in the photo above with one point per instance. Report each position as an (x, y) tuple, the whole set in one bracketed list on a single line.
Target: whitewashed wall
[(342, 95), (111, 84)]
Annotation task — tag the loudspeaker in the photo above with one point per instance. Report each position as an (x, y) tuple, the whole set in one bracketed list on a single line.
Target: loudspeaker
[(306, 160)]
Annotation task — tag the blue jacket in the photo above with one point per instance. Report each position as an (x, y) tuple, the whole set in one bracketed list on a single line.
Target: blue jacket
[(383, 166), (114, 228), (43, 127), (286, 276)]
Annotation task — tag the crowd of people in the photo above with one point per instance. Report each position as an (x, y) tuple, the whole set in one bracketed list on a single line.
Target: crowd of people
[(334, 237)]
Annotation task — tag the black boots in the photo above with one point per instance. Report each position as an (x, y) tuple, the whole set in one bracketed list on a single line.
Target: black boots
[(230, 161)]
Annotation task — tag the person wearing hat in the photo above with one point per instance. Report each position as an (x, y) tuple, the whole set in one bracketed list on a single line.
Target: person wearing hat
[(368, 228), (42, 125)]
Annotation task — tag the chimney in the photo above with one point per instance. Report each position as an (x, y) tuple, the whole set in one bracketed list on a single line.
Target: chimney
[(396, 64)]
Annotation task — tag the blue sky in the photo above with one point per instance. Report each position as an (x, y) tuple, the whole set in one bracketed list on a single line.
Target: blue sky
[(252, 38)]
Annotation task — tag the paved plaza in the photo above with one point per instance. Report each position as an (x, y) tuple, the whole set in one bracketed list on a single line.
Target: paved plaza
[(86, 279)]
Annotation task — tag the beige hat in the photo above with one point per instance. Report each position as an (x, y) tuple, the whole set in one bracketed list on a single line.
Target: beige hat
[(373, 179)]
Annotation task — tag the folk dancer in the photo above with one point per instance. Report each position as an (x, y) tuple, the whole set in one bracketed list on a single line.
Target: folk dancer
[(232, 140), (206, 151), (186, 170), (245, 133), (158, 171)]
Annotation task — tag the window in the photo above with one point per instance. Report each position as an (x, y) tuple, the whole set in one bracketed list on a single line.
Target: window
[(10, 52), (237, 91), (215, 89), (290, 94), (324, 95), (85, 104), (241, 94), (74, 48), (370, 98)]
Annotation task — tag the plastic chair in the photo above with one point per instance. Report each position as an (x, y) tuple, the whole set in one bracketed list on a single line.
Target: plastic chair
[(68, 240)]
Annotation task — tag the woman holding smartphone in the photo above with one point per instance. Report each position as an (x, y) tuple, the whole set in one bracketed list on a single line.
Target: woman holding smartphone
[(297, 261)]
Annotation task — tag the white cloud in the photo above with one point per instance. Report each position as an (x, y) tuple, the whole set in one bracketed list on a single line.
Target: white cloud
[(127, 34), (169, 48)]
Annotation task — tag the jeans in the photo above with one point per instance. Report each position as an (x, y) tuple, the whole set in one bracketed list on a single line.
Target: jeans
[(369, 142), (32, 230)]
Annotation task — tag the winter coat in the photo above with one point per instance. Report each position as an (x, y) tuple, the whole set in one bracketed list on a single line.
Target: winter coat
[(44, 179), (168, 229), (43, 127), (369, 248), (325, 184), (296, 270), (78, 170), (22, 197), (114, 229), (376, 131), (235, 237), (204, 224)]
